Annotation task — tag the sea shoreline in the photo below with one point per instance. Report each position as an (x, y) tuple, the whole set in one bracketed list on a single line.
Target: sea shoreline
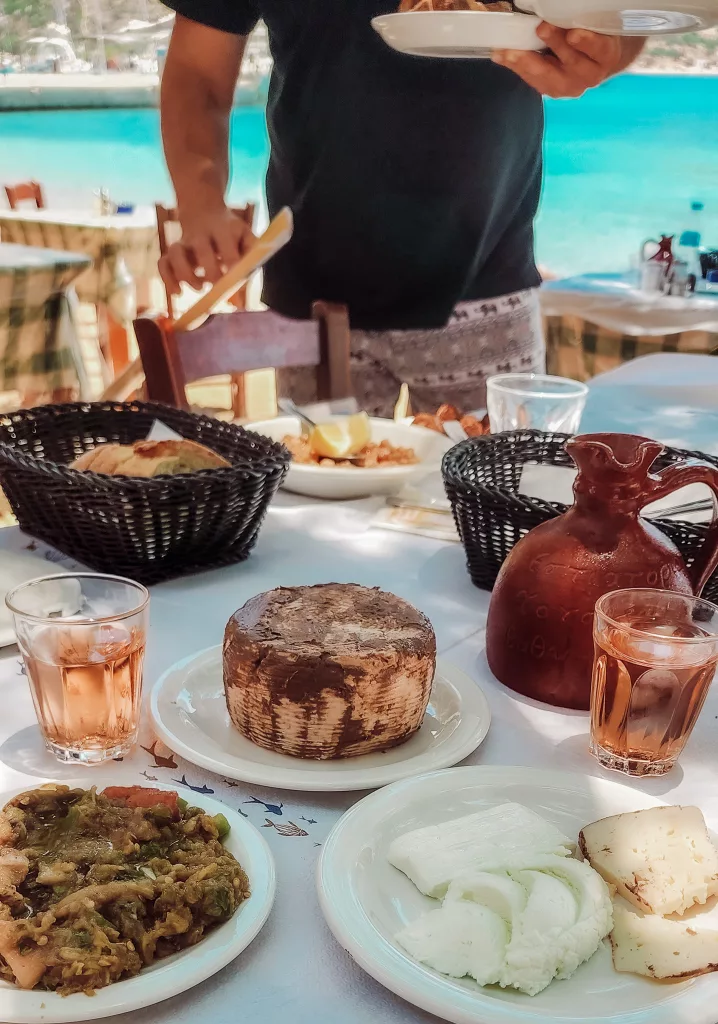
[(28, 92)]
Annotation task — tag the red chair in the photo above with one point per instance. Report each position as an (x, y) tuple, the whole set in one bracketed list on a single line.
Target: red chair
[(26, 191)]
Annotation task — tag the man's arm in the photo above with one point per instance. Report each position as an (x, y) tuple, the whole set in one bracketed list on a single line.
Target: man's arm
[(579, 60), (197, 93)]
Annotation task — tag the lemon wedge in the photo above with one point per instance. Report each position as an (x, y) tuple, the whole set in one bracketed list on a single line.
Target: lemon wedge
[(359, 430), (342, 437), (330, 441)]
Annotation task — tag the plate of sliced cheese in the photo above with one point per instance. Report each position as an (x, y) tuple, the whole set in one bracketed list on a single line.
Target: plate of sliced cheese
[(491, 895)]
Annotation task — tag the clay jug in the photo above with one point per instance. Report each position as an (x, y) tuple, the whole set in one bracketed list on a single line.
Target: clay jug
[(539, 638)]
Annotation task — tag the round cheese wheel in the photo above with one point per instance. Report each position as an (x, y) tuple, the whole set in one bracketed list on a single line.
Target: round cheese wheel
[(329, 671)]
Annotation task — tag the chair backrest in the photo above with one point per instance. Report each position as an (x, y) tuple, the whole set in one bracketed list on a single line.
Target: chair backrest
[(26, 190), (167, 216), (237, 342)]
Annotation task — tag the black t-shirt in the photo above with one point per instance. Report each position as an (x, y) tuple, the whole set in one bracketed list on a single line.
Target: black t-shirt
[(413, 181)]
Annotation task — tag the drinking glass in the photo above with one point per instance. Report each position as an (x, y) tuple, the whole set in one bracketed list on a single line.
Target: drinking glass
[(534, 401), (82, 638), (655, 655)]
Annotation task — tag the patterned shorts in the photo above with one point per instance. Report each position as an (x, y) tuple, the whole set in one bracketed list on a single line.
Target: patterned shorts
[(448, 364)]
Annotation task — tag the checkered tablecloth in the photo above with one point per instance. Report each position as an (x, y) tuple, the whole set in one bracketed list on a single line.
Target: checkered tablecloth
[(129, 239), (38, 351), (596, 322), (580, 349)]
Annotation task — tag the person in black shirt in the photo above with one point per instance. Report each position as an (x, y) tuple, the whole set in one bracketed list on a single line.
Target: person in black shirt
[(414, 183)]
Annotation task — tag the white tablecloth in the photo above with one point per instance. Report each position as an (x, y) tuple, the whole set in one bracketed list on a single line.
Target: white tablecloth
[(613, 301), (295, 971)]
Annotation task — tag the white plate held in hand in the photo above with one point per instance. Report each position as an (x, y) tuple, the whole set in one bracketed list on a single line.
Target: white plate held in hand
[(458, 34), (190, 715), (623, 18)]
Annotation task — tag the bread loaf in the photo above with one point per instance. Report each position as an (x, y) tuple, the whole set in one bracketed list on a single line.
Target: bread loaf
[(149, 458)]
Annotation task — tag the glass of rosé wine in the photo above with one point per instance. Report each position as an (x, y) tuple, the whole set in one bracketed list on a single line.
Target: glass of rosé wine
[(82, 637), (655, 655)]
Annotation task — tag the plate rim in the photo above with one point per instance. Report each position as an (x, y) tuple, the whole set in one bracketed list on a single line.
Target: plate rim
[(349, 932), (181, 972), (380, 19), (311, 782), (699, 12), (394, 32)]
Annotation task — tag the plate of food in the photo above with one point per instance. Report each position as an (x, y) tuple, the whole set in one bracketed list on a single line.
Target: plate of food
[(458, 29), (354, 456), (331, 687), (126, 894), (490, 895)]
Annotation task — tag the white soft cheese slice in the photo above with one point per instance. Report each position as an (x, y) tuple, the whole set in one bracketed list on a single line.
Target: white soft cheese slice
[(535, 951), (663, 947), (495, 890), (567, 915), (661, 859), (434, 856), (461, 939)]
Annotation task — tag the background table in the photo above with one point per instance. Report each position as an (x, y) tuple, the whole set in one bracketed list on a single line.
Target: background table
[(110, 241), (595, 322), (39, 352), (295, 971)]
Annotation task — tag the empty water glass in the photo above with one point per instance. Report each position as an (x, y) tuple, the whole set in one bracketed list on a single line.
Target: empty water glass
[(534, 401)]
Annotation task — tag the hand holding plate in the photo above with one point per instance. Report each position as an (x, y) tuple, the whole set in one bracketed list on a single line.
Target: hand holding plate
[(578, 60)]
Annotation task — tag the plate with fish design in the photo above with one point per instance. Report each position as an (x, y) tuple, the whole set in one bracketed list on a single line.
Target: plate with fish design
[(190, 715)]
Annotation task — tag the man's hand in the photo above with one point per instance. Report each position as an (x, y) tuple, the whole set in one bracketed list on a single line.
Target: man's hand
[(579, 60), (210, 245)]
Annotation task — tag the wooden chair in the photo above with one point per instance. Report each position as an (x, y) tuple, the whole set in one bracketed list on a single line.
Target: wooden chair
[(26, 190), (242, 341), (167, 216)]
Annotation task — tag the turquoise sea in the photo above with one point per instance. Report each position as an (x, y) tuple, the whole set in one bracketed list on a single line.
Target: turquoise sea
[(622, 163)]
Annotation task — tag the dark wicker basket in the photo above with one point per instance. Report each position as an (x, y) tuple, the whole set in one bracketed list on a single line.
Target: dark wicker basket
[(147, 529), (482, 477)]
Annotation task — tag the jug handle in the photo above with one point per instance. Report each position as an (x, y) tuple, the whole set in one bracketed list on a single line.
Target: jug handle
[(669, 480)]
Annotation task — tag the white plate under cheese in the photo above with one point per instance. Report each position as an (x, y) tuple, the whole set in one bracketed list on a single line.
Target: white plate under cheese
[(366, 901)]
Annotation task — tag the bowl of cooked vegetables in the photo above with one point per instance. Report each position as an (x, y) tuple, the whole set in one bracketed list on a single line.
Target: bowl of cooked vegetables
[(113, 894)]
